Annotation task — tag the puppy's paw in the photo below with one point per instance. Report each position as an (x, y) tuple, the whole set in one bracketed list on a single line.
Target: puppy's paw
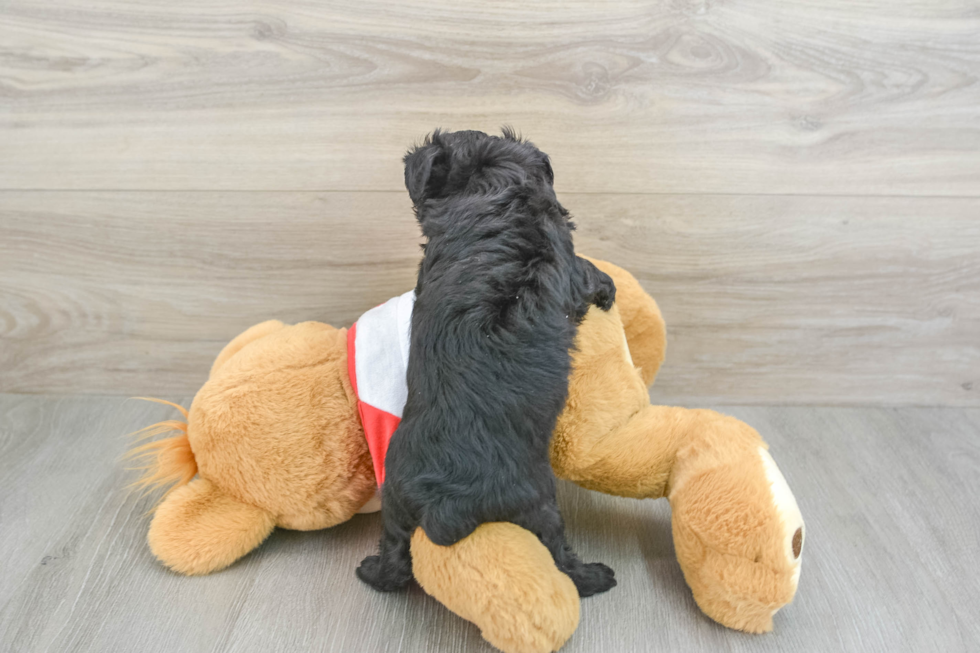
[(605, 295), (373, 573), (593, 578)]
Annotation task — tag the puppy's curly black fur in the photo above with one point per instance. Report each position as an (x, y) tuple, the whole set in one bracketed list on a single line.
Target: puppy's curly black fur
[(500, 293)]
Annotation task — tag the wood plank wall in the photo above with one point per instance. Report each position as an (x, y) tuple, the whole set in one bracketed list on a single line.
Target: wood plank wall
[(797, 184)]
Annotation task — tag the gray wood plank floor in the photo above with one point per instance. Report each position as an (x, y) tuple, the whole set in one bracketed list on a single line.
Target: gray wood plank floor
[(889, 496)]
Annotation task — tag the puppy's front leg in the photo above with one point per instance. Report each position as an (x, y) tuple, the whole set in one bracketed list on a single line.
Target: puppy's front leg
[(596, 287)]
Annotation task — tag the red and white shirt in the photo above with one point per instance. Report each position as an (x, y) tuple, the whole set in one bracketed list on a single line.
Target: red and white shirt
[(377, 361)]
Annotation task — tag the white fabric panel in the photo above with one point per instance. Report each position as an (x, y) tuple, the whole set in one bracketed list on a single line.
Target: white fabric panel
[(381, 345)]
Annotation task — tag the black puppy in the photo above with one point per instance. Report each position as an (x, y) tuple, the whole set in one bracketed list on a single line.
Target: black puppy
[(499, 296)]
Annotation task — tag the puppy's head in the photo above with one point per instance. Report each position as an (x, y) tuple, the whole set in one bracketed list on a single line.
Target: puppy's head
[(466, 163)]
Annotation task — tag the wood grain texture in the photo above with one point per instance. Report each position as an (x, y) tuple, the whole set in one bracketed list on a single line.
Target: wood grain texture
[(746, 96), (888, 498), (767, 299)]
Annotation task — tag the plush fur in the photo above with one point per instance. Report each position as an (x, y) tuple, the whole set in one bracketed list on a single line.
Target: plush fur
[(492, 577), (202, 529), (274, 439), (738, 534), (499, 296)]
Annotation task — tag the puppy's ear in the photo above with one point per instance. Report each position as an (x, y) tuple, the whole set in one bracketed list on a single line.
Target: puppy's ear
[(426, 170), (548, 171), (510, 134)]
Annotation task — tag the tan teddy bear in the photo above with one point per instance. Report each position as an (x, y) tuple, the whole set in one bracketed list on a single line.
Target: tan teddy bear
[(274, 438)]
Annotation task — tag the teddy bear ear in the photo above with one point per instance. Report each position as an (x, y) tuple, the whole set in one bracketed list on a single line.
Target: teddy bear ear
[(248, 336), (198, 529), (427, 169)]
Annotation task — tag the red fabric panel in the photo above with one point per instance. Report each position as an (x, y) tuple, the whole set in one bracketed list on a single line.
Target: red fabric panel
[(378, 425)]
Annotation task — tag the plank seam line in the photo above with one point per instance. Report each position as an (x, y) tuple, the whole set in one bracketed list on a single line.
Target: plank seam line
[(271, 191)]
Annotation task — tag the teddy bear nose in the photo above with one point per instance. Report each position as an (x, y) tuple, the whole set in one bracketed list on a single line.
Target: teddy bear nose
[(797, 542)]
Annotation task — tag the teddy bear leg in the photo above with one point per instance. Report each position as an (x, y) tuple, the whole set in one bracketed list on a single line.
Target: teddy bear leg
[(589, 577), (737, 529), (505, 581), (198, 529)]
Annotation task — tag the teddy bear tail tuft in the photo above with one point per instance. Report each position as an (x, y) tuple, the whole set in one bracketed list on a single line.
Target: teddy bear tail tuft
[(167, 463)]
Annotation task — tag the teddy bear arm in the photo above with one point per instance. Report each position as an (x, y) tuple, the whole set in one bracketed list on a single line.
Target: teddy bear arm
[(634, 459), (198, 529), (609, 438), (643, 324)]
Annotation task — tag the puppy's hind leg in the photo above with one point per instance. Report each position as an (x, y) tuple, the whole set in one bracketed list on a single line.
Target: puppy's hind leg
[(391, 569), (589, 578), (447, 521)]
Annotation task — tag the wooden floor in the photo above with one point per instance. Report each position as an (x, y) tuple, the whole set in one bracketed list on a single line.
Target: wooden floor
[(889, 498), (798, 183)]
